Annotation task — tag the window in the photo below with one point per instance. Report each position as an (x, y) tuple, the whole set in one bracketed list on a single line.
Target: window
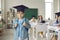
[(48, 0), (48, 9)]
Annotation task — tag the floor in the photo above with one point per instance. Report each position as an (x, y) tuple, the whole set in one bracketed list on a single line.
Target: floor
[(7, 35)]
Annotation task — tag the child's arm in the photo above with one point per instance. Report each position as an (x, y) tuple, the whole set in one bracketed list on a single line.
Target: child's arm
[(26, 24), (15, 23)]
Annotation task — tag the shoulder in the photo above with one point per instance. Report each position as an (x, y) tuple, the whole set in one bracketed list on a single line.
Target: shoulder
[(25, 19), (30, 20)]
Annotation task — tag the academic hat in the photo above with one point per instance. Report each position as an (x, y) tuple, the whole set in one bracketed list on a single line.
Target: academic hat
[(58, 14), (20, 8)]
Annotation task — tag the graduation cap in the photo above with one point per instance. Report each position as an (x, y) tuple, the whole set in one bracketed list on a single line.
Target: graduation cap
[(58, 14), (20, 8)]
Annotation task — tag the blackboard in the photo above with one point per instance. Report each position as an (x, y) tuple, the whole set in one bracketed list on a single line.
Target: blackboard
[(30, 12)]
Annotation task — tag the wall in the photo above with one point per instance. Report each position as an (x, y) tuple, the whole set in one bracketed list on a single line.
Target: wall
[(30, 3), (6, 4), (56, 7), (59, 5)]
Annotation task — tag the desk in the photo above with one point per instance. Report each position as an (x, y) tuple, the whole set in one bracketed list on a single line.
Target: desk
[(53, 28), (34, 32)]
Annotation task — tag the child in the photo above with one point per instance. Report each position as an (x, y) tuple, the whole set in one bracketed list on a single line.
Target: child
[(33, 21), (57, 22), (40, 19), (21, 24)]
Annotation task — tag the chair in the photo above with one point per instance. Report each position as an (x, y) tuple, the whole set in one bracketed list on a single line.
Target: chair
[(41, 30)]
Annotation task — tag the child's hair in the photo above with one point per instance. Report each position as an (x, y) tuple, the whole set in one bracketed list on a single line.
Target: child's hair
[(40, 16)]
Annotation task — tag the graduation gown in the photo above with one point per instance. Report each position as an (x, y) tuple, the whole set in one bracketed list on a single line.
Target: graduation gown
[(55, 23), (21, 31)]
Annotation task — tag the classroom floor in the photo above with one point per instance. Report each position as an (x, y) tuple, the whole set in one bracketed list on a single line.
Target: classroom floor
[(7, 35)]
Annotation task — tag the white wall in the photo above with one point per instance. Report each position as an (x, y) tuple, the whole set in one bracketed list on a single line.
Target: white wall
[(3, 7), (56, 7), (30, 3), (59, 5)]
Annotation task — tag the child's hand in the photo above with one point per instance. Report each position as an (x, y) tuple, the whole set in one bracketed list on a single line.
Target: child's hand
[(15, 25), (24, 24)]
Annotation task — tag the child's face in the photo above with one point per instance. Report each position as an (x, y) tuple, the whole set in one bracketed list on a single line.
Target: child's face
[(59, 18), (33, 17), (40, 17), (20, 14)]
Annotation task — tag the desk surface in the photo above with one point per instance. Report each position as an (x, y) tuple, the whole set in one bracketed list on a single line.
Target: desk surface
[(55, 28)]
